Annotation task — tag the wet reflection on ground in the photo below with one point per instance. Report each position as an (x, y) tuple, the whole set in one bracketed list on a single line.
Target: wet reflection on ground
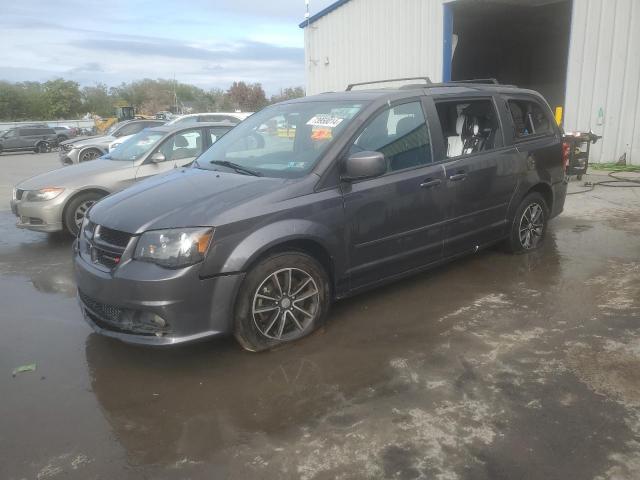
[(495, 366)]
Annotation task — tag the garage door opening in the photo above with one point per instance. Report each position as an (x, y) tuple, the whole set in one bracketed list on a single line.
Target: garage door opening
[(525, 45)]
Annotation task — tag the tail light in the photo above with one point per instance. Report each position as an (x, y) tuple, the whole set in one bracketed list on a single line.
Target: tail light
[(565, 155)]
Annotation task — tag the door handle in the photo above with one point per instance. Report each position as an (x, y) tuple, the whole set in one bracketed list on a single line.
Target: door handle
[(430, 183), (457, 177)]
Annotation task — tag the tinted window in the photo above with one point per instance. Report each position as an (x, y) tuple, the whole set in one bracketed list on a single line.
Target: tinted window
[(529, 118), (401, 134), (36, 131), (468, 126)]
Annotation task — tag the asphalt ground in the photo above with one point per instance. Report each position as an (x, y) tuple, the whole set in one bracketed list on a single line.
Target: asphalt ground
[(492, 367)]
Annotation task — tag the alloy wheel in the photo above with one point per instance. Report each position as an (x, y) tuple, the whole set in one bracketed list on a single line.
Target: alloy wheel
[(81, 211), (90, 155), (285, 304), (531, 226)]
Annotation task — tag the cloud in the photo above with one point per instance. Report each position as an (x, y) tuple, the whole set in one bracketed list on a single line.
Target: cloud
[(247, 50), (209, 43)]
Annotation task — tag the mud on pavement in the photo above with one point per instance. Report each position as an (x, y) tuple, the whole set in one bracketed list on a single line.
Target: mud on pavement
[(493, 367)]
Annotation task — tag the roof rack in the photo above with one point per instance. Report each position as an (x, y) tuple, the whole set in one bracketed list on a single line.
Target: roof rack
[(427, 81), (477, 80)]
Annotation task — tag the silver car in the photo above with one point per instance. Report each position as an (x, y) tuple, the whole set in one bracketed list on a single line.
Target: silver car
[(58, 200), (84, 149)]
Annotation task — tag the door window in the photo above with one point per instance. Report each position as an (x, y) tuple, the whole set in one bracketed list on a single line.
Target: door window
[(529, 118), (468, 126), (187, 144), (401, 134), (129, 129), (216, 132)]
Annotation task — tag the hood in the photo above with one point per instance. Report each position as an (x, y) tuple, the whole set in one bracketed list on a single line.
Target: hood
[(183, 198), (88, 141), (73, 175)]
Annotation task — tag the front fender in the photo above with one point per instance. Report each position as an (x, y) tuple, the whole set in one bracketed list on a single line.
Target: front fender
[(248, 250)]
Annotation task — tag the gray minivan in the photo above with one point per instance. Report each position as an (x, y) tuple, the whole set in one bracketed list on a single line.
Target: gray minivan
[(36, 139), (316, 199)]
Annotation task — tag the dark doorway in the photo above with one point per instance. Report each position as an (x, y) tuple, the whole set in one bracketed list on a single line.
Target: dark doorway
[(516, 42)]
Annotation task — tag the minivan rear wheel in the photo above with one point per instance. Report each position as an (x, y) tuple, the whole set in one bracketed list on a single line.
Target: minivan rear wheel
[(529, 224), (283, 298)]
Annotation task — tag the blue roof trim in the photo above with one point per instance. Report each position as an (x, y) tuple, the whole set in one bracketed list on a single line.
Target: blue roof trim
[(322, 13)]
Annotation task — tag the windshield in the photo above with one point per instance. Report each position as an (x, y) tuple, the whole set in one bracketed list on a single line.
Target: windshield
[(282, 141), (136, 146)]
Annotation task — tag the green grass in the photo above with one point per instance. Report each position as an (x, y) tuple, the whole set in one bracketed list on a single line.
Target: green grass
[(615, 168)]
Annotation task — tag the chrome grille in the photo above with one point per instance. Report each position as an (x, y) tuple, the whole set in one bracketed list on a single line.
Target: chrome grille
[(105, 245)]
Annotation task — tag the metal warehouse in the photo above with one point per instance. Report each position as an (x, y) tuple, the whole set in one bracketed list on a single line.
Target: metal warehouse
[(582, 55)]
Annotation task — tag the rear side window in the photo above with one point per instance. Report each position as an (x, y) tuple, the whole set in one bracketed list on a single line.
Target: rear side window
[(401, 134), (529, 118), (468, 126), (131, 129)]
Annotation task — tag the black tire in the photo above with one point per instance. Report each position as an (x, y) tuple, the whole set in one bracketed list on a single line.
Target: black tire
[(533, 204), (578, 177), (78, 205), (259, 292), (42, 147), (89, 154), (1, 149), (62, 138)]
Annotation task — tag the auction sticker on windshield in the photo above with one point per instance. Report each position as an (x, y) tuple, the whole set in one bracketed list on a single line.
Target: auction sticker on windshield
[(324, 120)]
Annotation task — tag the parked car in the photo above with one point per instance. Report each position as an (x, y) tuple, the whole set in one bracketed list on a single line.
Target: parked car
[(85, 149), (233, 117), (58, 200), (258, 237), (36, 139), (64, 133)]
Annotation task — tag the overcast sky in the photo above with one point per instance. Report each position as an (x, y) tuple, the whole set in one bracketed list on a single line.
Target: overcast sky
[(208, 43)]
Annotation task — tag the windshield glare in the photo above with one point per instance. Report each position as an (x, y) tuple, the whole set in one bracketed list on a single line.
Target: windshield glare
[(135, 147), (282, 141)]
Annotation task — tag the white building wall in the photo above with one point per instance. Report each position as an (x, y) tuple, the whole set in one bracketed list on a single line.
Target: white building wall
[(376, 39), (603, 79), (367, 40)]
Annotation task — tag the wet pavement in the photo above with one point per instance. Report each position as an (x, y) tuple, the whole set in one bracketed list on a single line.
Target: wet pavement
[(492, 367)]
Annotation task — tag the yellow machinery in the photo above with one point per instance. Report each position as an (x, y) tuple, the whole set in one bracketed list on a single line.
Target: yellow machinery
[(123, 110)]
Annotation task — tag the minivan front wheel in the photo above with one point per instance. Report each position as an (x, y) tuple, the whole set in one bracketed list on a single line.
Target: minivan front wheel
[(283, 298), (529, 224)]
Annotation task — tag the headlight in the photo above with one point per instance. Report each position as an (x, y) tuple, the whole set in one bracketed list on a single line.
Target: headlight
[(175, 248), (43, 194)]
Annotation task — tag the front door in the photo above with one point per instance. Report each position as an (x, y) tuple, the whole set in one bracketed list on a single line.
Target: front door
[(394, 222), (178, 150)]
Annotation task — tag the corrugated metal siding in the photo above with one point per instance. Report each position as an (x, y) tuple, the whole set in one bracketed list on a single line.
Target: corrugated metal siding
[(604, 75), (374, 39)]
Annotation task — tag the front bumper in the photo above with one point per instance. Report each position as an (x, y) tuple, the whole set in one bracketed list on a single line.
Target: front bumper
[(69, 157), (38, 216), (120, 303)]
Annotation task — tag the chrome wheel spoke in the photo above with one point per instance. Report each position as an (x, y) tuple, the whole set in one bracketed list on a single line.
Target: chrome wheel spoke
[(283, 320), (266, 297), (277, 282), (304, 284), (289, 280), (305, 296), (266, 309), (304, 312), (272, 323), (295, 320)]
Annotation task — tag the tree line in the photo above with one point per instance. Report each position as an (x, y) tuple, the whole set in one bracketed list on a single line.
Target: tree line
[(65, 99)]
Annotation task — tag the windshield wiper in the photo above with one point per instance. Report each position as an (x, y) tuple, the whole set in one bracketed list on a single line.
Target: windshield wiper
[(236, 167)]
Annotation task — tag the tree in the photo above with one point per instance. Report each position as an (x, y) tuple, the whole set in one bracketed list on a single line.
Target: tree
[(97, 100), (63, 98), (248, 98), (288, 94)]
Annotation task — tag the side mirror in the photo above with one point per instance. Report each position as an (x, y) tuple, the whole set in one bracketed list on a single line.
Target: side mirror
[(361, 165), (158, 157)]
